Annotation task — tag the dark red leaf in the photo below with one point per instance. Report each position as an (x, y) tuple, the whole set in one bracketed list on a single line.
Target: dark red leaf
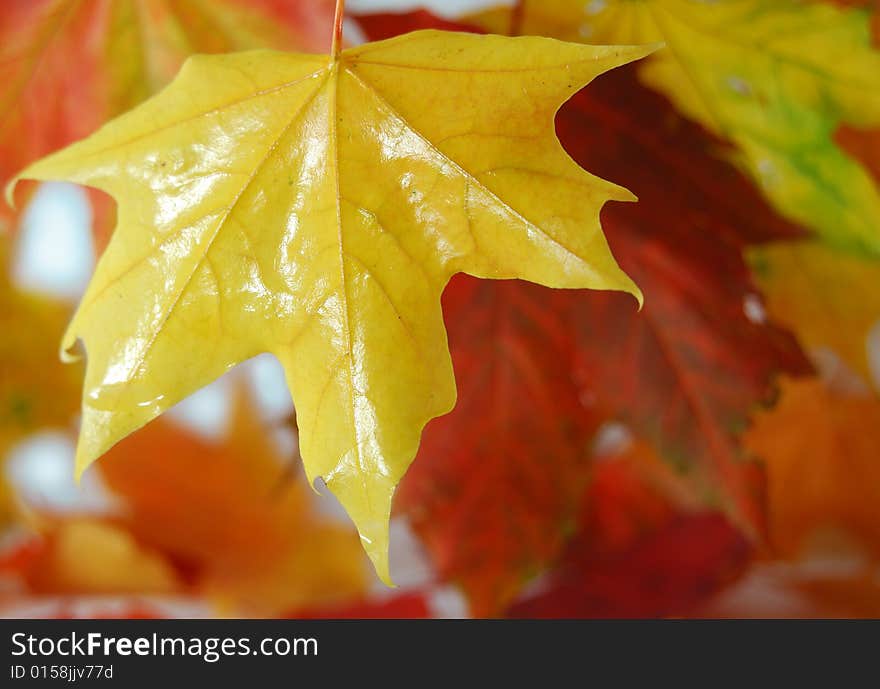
[(638, 553), (382, 25), (685, 372)]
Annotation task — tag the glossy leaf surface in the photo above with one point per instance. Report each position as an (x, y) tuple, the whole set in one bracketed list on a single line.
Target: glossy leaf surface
[(315, 209)]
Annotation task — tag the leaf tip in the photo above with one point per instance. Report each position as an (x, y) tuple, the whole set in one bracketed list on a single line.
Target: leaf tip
[(29, 172), (71, 349), (369, 506), (378, 554), (629, 286), (638, 296), (79, 470), (631, 53), (9, 192), (88, 448)]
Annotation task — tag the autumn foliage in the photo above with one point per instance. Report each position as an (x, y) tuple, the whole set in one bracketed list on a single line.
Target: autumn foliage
[(435, 234)]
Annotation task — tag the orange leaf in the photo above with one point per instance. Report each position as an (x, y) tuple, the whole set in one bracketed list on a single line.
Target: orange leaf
[(822, 452), (863, 145), (232, 515), (88, 556), (773, 590)]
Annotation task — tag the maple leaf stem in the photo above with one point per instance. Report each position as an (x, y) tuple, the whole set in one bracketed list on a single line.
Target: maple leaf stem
[(337, 28), (516, 18)]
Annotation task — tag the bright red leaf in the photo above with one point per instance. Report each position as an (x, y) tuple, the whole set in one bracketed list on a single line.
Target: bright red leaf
[(638, 553), (496, 483)]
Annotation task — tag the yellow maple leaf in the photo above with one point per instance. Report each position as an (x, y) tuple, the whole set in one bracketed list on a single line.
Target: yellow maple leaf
[(774, 77), (822, 295), (315, 208), (822, 453)]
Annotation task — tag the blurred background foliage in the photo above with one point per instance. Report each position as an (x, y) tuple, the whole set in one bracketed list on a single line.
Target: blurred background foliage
[(595, 486)]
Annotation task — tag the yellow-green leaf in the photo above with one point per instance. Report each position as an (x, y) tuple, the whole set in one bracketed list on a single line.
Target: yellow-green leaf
[(315, 208), (826, 297), (775, 77)]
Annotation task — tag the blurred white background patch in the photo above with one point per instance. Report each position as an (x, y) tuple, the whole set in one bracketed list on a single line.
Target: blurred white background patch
[(55, 253), (40, 469)]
